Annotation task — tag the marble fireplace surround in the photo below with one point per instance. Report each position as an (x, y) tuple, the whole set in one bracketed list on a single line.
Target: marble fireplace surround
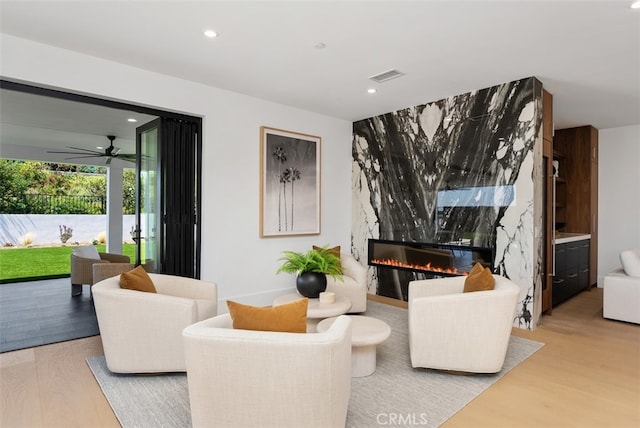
[(467, 166)]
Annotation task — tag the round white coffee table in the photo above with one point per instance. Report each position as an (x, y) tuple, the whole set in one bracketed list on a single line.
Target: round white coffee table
[(366, 334), (316, 310)]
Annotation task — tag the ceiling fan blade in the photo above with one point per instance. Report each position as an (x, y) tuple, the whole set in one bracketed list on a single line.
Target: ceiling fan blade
[(82, 152), (85, 156), (78, 153), (85, 150), (129, 157)]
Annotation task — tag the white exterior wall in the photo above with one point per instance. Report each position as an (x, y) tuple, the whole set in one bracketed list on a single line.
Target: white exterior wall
[(45, 227)]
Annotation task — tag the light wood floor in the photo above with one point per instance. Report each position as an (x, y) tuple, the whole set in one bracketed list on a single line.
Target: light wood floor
[(586, 375)]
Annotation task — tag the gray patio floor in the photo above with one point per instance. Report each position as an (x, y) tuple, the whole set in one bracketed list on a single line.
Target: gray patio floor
[(42, 312)]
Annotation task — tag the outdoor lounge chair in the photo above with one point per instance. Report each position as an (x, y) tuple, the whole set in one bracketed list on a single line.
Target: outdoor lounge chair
[(82, 266)]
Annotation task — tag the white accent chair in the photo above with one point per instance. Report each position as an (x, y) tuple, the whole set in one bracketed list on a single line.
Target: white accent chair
[(142, 332), (452, 330), (244, 378), (621, 299), (352, 285)]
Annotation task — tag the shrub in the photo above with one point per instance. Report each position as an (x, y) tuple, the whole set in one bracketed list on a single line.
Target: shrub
[(27, 239), (65, 233)]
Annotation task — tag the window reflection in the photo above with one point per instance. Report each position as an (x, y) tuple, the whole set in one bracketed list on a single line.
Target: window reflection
[(467, 215)]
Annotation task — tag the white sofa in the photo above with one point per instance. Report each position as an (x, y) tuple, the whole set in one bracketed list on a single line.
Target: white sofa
[(452, 330), (352, 285), (621, 300), (142, 332), (244, 378)]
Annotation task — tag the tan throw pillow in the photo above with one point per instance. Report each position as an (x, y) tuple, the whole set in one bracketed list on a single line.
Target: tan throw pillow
[(479, 279), (290, 317), (335, 251), (137, 279), (477, 268)]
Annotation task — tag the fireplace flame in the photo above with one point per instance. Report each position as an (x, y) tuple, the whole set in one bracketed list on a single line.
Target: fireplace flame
[(427, 267)]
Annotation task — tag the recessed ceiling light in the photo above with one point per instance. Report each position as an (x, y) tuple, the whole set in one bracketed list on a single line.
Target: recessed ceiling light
[(210, 33), (635, 5), (372, 90), (132, 120)]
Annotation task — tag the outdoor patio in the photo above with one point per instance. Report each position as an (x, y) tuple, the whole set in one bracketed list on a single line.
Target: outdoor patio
[(42, 312)]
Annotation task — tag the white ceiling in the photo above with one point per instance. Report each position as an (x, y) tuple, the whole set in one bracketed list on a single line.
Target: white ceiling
[(586, 53), (32, 125)]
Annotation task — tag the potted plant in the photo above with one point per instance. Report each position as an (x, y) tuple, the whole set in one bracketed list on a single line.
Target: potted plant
[(312, 269)]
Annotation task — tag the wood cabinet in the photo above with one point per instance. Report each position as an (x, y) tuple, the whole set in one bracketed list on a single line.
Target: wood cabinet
[(570, 168), (576, 211)]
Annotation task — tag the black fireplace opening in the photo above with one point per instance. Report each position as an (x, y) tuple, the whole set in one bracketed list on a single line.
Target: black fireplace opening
[(399, 262)]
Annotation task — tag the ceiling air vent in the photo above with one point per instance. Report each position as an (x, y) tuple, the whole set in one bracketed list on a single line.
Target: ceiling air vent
[(385, 76)]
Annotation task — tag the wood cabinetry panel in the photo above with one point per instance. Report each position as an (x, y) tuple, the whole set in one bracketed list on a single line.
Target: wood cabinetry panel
[(577, 152), (547, 115)]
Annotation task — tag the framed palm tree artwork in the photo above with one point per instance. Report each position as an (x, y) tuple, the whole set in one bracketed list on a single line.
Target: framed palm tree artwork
[(289, 183)]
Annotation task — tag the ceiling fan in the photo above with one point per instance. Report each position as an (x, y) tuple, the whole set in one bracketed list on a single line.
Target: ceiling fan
[(109, 153)]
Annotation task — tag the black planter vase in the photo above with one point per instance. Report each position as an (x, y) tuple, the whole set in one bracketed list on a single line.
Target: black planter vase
[(311, 284)]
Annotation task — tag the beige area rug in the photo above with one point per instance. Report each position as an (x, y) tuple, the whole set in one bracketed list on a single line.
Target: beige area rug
[(395, 394)]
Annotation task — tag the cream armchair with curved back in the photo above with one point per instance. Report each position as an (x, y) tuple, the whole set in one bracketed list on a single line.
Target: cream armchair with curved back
[(247, 378), (352, 284), (452, 330), (141, 332)]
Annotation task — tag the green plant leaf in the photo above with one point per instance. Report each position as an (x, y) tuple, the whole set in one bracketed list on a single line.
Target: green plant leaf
[(314, 260)]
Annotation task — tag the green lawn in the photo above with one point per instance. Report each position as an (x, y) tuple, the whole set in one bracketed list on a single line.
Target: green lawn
[(42, 262)]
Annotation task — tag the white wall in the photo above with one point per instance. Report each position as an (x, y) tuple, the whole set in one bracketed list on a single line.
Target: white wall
[(233, 255), (618, 195)]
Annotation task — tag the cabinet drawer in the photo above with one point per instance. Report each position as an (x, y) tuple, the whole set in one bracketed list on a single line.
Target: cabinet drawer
[(573, 251), (583, 254), (583, 278), (561, 259), (571, 280)]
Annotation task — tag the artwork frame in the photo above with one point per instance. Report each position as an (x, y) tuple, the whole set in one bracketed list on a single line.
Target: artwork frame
[(290, 186)]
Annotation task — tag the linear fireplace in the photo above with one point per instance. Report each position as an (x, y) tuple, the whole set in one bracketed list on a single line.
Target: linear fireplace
[(400, 262)]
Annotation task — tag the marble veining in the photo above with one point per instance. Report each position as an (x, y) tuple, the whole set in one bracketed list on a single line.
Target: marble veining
[(461, 168)]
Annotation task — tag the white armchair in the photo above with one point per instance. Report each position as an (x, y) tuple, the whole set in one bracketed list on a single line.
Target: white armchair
[(142, 332), (352, 285), (452, 330), (621, 300), (245, 378)]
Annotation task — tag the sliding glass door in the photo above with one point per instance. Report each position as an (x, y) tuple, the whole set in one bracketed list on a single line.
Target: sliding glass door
[(148, 218)]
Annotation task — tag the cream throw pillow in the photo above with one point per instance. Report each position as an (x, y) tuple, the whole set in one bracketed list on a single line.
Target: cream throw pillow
[(87, 252)]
